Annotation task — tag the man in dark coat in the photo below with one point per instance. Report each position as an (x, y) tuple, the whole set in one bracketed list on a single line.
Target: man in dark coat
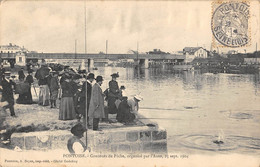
[(82, 101), (42, 74), (2, 71), (113, 94), (96, 105), (7, 94)]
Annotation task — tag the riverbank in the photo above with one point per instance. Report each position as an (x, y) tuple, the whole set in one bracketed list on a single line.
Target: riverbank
[(38, 128)]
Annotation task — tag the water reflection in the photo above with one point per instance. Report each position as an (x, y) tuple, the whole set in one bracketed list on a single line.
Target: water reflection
[(231, 143), (193, 105)]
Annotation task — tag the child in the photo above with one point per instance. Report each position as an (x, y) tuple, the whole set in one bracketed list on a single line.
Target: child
[(54, 88), (75, 145)]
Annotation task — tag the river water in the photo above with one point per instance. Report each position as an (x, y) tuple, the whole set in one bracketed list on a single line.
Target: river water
[(202, 112)]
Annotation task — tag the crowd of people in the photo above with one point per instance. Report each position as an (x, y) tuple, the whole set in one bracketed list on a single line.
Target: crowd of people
[(80, 94)]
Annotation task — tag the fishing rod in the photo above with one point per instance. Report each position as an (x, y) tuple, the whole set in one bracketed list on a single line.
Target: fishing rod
[(162, 118), (168, 109)]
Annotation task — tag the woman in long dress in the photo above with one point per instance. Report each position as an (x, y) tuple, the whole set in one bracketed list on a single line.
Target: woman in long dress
[(67, 109), (113, 94)]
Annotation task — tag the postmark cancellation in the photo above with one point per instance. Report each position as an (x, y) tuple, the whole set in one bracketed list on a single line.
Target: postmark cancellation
[(230, 24)]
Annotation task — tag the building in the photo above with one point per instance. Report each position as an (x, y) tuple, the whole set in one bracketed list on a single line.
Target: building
[(232, 52), (12, 48), (193, 52), (157, 51)]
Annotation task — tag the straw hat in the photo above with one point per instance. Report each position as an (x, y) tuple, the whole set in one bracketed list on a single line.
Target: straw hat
[(138, 97)]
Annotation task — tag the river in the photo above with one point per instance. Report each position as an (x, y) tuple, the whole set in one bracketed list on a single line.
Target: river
[(198, 110)]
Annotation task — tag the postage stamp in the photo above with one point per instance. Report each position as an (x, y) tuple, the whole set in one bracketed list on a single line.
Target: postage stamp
[(230, 24)]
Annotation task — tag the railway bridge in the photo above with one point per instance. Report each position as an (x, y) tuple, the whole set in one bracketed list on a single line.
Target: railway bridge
[(142, 59)]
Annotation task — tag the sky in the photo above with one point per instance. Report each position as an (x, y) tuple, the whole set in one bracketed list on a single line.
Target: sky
[(54, 26)]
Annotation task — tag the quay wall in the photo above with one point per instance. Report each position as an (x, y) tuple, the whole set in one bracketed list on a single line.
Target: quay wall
[(126, 139)]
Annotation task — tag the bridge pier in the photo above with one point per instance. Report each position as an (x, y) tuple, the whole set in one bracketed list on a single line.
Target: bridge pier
[(90, 64), (144, 63)]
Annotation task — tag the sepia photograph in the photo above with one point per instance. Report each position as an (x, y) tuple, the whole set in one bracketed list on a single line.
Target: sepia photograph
[(130, 83)]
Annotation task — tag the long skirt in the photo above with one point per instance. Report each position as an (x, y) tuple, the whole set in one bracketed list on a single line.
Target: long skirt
[(25, 98), (111, 105), (67, 110), (44, 95), (30, 96)]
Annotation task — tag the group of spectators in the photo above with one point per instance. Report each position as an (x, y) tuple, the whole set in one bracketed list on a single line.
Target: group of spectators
[(80, 93)]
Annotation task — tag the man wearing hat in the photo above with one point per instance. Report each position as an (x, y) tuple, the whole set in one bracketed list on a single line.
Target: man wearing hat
[(113, 94), (96, 106), (7, 94), (82, 101)]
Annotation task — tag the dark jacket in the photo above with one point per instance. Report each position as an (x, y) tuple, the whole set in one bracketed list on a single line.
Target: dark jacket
[(29, 79), (124, 115), (7, 93), (113, 88), (42, 73), (113, 94), (42, 81), (21, 74), (68, 89)]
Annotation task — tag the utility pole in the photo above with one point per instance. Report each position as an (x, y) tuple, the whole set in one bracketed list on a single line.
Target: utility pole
[(85, 20), (75, 48), (106, 46), (256, 53), (85, 31), (85, 120), (137, 53)]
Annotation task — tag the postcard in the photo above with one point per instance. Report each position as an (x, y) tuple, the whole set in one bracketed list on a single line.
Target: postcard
[(130, 83)]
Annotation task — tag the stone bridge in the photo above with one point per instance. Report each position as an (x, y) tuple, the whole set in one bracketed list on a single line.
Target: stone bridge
[(22, 58)]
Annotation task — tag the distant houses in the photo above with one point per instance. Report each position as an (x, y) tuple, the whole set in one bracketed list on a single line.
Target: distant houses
[(12, 48), (194, 52), (17, 51)]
